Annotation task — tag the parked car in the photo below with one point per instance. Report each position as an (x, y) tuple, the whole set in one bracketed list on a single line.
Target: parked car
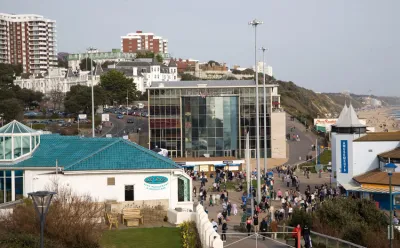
[(120, 116), (130, 120)]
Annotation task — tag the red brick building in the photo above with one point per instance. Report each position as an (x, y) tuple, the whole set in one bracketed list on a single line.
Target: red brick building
[(139, 41), (29, 40)]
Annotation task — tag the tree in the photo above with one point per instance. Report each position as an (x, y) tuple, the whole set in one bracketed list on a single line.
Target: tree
[(159, 58), (86, 64), (188, 77), (12, 109), (144, 54), (79, 99), (57, 96), (213, 62), (106, 64), (118, 87)]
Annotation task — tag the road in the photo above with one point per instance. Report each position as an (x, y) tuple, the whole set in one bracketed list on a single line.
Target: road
[(120, 127), (300, 148)]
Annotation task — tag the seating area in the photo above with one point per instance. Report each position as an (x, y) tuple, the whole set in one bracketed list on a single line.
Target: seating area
[(135, 217)]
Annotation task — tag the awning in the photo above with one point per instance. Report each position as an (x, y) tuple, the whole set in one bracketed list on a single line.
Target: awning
[(354, 188)]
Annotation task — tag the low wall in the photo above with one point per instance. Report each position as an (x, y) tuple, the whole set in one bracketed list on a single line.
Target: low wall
[(208, 236), (176, 218)]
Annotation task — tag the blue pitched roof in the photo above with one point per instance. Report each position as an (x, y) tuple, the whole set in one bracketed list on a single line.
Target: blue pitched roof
[(78, 153)]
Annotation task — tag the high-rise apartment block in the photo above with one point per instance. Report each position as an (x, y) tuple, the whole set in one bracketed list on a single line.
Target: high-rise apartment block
[(139, 41), (29, 40)]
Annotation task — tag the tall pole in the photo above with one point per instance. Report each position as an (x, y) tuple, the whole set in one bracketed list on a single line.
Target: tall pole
[(391, 211), (255, 23), (91, 69), (265, 114), (41, 231)]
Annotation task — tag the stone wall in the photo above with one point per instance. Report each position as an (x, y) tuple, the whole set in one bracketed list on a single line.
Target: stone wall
[(116, 207)]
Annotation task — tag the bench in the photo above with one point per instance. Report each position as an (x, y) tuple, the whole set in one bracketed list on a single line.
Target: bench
[(132, 217)]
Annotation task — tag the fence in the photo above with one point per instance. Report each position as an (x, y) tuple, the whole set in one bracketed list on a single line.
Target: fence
[(322, 240), (208, 236)]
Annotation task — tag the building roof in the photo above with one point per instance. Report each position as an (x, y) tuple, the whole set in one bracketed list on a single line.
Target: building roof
[(203, 159), (205, 84), (377, 177), (393, 154), (380, 136), (348, 118), (172, 63), (76, 153), (16, 127)]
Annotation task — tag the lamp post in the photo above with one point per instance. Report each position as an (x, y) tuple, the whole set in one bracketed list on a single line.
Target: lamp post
[(91, 50), (263, 49), (41, 200), (255, 23), (390, 168)]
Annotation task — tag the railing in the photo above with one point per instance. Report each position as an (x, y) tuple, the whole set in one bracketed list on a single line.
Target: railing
[(322, 240), (10, 204)]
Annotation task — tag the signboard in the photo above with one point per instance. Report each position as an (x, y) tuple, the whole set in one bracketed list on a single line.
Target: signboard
[(227, 162), (156, 182), (82, 117), (105, 117), (108, 135), (324, 122), (344, 157)]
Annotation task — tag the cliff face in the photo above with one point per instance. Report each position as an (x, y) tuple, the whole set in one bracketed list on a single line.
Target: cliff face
[(306, 104)]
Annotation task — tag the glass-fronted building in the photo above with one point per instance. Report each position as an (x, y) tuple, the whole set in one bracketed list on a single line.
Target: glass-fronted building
[(208, 118)]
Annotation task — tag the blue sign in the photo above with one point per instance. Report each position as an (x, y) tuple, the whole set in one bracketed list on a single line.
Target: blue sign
[(156, 180), (344, 156)]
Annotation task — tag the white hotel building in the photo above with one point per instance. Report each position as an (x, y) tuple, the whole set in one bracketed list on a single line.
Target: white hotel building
[(29, 40)]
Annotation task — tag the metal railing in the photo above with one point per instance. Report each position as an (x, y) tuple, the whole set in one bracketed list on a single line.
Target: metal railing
[(322, 240)]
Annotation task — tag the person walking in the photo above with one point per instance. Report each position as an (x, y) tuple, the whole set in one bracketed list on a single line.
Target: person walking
[(274, 229), (224, 229), (229, 208), (194, 191), (255, 223), (214, 224), (264, 227), (306, 236), (295, 232), (234, 208), (248, 226)]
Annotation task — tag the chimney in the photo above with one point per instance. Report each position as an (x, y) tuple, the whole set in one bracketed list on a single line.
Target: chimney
[(180, 60), (187, 61), (134, 72), (139, 32)]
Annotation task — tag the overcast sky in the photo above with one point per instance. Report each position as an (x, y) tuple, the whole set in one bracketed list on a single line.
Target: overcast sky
[(327, 46)]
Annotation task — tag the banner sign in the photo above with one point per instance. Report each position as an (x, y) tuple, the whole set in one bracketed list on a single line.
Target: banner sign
[(156, 182), (344, 156)]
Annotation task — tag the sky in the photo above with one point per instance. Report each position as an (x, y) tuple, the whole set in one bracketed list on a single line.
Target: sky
[(326, 46)]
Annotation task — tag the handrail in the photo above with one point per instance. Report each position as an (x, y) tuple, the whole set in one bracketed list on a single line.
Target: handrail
[(10, 204), (330, 237)]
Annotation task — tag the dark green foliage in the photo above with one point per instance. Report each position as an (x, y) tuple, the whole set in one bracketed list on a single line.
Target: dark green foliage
[(188, 77), (86, 64), (79, 99), (21, 240), (300, 217), (117, 87)]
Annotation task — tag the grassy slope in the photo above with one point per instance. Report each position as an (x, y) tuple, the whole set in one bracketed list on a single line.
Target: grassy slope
[(166, 237)]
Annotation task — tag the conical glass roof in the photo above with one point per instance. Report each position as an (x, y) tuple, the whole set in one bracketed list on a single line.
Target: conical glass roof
[(16, 127)]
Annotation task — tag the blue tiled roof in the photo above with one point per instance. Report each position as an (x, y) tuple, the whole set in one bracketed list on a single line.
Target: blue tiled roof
[(76, 154)]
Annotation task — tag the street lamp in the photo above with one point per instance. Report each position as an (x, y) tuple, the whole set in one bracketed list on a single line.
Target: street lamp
[(263, 49), (41, 200), (390, 168), (91, 50), (255, 23)]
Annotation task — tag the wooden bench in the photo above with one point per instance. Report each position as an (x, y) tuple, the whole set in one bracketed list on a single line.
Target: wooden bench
[(132, 217)]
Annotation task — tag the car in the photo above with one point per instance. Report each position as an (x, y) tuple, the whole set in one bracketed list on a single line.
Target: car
[(130, 120), (120, 116)]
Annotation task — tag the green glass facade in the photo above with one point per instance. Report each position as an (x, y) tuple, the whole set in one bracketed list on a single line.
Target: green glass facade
[(193, 122)]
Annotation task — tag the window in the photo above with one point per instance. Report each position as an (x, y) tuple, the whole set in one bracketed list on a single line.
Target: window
[(110, 181), (129, 192)]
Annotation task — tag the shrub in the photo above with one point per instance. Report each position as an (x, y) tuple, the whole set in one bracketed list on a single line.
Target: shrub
[(189, 234), (72, 221), (302, 218)]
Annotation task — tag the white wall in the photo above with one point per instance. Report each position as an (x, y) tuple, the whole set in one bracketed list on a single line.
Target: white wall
[(278, 135), (365, 154), (343, 178), (96, 185)]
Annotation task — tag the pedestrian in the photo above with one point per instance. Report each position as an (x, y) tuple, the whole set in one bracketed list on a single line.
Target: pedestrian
[(234, 208), (295, 232), (194, 191), (211, 201), (264, 227), (224, 228), (255, 223), (219, 217), (248, 226), (306, 236), (274, 228), (214, 224), (229, 208)]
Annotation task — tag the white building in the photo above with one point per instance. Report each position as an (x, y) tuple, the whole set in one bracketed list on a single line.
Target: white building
[(145, 71), (29, 40), (261, 66), (106, 168), (58, 79)]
